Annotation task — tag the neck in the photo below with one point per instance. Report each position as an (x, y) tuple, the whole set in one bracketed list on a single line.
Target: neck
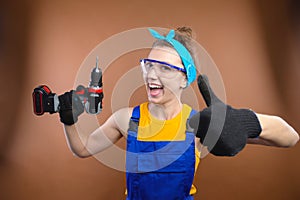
[(165, 111)]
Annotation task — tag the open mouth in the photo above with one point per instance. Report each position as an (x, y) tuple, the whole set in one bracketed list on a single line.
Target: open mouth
[(155, 89)]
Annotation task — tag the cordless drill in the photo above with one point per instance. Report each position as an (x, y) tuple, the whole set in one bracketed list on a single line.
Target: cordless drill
[(44, 100)]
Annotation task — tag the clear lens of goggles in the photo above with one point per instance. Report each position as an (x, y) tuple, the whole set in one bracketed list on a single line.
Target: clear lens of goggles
[(162, 69)]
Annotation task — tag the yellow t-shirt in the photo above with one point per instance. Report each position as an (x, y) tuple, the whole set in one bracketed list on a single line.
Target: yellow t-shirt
[(153, 129)]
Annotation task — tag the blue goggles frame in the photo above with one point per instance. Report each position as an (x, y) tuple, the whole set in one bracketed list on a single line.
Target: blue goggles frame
[(163, 63)]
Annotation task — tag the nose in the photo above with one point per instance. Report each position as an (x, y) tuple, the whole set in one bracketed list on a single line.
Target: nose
[(152, 73)]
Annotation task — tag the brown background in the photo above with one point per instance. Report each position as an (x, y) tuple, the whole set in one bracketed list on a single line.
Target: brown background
[(255, 44)]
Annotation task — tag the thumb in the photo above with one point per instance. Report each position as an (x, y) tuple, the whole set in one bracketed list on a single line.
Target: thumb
[(206, 91)]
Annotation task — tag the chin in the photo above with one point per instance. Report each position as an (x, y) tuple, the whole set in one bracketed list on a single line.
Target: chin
[(158, 101), (154, 100)]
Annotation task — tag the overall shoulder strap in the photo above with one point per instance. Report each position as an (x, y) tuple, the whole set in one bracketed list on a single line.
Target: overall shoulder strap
[(134, 119), (192, 113), (188, 128), (135, 114)]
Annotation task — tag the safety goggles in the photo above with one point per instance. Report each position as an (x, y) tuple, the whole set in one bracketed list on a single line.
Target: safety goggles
[(161, 68)]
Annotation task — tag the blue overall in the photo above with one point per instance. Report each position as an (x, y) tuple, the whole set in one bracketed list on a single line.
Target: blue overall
[(159, 170)]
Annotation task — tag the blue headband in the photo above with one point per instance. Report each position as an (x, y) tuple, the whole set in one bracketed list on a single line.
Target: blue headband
[(184, 54)]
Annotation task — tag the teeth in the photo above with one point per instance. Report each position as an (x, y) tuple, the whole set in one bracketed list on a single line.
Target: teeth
[(155, 86)]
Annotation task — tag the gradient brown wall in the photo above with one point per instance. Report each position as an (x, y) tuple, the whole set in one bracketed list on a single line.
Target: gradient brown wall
[(254, 44)]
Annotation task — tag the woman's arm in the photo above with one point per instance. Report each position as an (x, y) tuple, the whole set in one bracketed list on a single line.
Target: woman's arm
[(275, 132), (103, 137)]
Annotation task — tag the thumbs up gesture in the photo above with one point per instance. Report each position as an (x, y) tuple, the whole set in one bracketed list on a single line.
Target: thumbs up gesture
[(220, 127)]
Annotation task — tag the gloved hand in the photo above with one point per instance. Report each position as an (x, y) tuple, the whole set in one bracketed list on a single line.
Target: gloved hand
[(226, 128), (70, 107)]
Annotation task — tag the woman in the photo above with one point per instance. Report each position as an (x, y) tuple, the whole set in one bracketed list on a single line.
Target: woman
[(161, 154)]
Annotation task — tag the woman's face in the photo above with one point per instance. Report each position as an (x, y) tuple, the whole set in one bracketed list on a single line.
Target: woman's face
[(163, 88)]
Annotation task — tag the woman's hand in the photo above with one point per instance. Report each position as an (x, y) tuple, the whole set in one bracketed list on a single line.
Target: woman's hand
[(223, 129)]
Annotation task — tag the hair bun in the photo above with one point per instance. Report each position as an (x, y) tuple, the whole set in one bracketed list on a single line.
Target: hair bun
[(185, 31)]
